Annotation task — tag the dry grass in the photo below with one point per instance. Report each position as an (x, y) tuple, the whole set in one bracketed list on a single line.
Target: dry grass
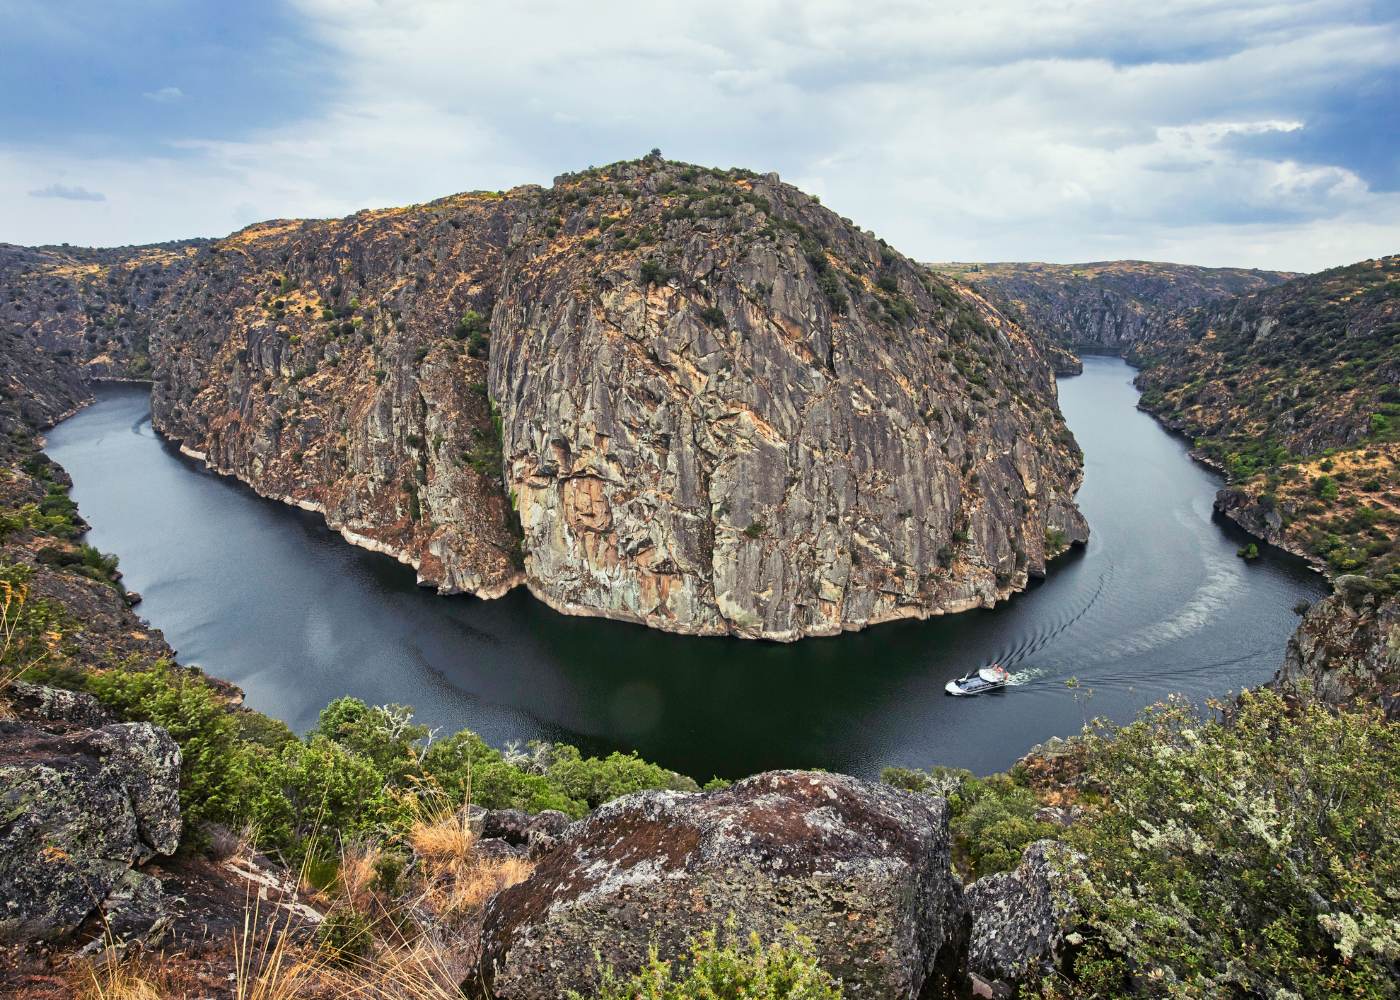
[(267, 963), (15, 606), (454, 882), (356, 879), (423, 940), (115, 979)]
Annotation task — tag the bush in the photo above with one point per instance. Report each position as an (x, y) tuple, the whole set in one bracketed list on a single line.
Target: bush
[(319, 791), (991, 820), (218, 768), (720, 968), (1254, 856), (654, 273), (712, 315)]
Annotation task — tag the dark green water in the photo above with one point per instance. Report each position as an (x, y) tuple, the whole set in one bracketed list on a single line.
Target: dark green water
[(267, 597)]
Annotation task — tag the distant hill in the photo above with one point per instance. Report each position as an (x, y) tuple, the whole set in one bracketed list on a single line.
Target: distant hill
[(1105, 305), (1294, 392)]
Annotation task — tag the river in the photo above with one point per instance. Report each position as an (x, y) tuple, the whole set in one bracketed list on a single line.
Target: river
[(266, 596)]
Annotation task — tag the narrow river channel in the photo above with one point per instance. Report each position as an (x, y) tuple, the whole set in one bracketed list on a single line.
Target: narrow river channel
[(267, 597)]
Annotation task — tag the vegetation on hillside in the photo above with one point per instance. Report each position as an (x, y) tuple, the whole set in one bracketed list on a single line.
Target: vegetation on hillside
[(1294, 393), (1251, 852)]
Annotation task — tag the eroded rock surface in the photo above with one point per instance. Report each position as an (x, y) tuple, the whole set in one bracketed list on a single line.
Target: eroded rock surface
[(768, 424), (1106, 305), (1347, 649), (79, 808), (690, 398), (860, 868), (1020, 918)]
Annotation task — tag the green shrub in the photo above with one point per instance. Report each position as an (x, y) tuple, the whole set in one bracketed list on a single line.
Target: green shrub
[(346, 934), (319, 790), (218, 768), (595, 780), (721, 968), (1251, 857), (654, 273), (464, 766), (384, 735), (991, 820)]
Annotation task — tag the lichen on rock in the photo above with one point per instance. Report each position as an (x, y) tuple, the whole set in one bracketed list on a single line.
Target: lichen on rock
[(861, 869)]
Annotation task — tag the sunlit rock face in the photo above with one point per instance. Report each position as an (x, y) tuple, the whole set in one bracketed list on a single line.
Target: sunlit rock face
[(690, 398)]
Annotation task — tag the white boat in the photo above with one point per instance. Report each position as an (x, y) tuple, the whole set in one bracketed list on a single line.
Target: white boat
[(992, 677)]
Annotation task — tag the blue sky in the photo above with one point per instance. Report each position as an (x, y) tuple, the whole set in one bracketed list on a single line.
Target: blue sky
[(1253, 133)]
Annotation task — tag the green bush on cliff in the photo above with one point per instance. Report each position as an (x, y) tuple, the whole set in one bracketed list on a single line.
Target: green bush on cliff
[(1257, 856), (720, 967), (991, 819), (218, 765)]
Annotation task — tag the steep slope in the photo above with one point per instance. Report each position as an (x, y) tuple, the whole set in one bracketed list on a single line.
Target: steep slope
[(1106, 305), (339, 366), (728, 410), (1292, 392), (686, 397), (89, 307)]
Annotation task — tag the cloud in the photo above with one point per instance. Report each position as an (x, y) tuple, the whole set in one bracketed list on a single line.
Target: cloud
[(165, 95), (68, 193), (1034, 129)]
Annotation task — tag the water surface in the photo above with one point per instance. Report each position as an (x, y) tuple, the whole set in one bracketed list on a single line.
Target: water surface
[(266, 596)]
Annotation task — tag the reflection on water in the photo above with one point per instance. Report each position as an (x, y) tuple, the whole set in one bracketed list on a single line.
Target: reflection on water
[(267, 597)]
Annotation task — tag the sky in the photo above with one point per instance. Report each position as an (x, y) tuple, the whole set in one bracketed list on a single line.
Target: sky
[(1257, 134)]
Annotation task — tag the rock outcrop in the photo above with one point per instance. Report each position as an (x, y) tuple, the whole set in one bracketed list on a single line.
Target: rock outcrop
[(1020, 919), (79, 809), (861, 869), (1106, 305), (690, 398), (1347, 649), (762, 421)]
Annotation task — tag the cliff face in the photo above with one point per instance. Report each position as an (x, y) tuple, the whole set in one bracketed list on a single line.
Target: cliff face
[(731, 411), (1292, 392), (690, 398), (1347, 649), (326, 364), (1106, 305), (91, 310)]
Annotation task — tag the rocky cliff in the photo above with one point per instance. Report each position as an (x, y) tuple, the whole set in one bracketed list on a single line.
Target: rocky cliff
[(727, 410), (1292, 393), (91, 310), (685, 397), (1105, 305)]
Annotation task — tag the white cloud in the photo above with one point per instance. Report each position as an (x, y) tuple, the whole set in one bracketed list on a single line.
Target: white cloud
[(165, 95), (67, 192), (1030, 129)]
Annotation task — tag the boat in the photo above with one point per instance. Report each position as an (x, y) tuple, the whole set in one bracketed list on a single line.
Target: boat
[(992, 677)]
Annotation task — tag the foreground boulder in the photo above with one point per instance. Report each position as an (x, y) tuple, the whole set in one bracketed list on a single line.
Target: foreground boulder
[(1020, 920), (78, 809), (861, 869)]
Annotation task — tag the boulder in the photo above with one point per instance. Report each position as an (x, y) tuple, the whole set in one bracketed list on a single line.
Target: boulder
[(535, 833), (862, 869), (1020, 919), (79, 809), (48, 704), (510, 825)]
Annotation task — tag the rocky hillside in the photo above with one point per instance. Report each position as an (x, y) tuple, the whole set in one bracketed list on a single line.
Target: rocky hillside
[(1292, 393), (92, 308), (1105, 305), (685, 397)]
